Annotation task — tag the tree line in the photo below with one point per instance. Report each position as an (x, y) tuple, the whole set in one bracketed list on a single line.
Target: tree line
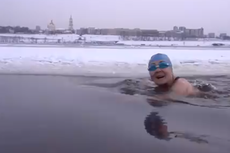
[(17, 29)]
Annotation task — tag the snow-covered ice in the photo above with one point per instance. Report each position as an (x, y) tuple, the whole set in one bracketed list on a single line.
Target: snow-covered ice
[(93, 38), (65, 37), (176, 43), (91, 61)]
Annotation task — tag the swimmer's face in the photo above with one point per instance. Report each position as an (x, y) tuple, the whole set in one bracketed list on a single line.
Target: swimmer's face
[(162, 75)]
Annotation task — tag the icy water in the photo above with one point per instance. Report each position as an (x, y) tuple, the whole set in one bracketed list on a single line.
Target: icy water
[(60, 114), (216, 89)]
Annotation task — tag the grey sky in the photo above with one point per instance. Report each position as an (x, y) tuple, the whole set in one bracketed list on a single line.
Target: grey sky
[(213, 15)]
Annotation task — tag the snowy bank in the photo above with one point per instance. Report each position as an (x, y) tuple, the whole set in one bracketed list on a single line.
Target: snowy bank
[(91, 61), (176, 43), (73, 38), (63, 37)]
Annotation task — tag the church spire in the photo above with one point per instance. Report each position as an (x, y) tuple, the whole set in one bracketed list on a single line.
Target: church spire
[(71, 23)]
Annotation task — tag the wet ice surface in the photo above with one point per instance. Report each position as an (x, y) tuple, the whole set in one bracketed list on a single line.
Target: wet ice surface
[(69, 114)]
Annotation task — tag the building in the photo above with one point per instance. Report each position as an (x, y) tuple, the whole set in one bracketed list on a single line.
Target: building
[(82, 31), (113, 32), (184, 32), (38, 28), (223, 35), (51, 27), (136, 32), (149, 33), (104, 31), (175, 28), (211, 35), (91, 31), (182, 29), (194, 33), (71, 24), (123, 32)]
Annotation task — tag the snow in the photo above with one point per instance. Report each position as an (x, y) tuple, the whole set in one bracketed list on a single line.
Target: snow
[(66, 37), (50, 38), (175, 43), (101, 38), (105, 38), (94, 61)]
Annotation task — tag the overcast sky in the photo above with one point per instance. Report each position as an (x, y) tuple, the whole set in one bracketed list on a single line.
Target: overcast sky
[(212, 15)]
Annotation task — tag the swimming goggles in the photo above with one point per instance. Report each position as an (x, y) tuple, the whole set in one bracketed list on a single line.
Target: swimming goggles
[(161, 65)]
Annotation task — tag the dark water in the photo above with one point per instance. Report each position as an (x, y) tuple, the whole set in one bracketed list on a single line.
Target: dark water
[(216, 91), (54, 114)]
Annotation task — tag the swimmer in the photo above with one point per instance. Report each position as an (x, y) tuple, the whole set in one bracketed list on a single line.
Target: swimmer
[(161, 73)]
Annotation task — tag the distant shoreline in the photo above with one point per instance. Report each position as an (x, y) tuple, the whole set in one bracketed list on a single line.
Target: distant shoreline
[(54, 45)]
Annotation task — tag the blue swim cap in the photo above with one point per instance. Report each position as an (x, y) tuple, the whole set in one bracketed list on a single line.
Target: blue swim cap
[(158, 57)]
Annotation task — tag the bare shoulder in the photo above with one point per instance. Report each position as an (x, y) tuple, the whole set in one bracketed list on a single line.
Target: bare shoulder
[(182, 81), (183, 87)]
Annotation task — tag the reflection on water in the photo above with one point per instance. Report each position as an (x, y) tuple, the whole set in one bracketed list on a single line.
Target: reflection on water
[(53, 114), (197, 120), (156, 126), (215, 97)]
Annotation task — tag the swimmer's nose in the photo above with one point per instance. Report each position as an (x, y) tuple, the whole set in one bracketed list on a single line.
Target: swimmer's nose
[(158, 69)]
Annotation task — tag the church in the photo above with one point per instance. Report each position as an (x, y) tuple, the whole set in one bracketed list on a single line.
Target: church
[(51, 28)]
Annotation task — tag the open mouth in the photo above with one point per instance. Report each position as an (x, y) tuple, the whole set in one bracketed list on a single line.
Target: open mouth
[(160, 77)]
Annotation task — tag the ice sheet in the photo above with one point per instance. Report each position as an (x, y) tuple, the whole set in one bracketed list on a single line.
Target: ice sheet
[(64, 37), (128, 62), (176, 43), (90, 38)]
